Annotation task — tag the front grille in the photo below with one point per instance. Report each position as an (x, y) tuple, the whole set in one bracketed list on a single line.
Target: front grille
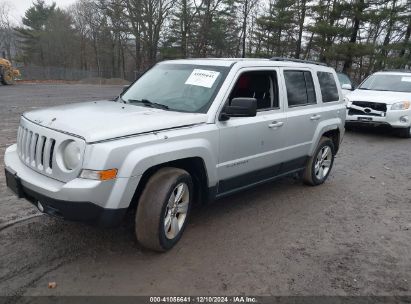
[(35, 149), (372, 105), (359, 112), (39, 148)]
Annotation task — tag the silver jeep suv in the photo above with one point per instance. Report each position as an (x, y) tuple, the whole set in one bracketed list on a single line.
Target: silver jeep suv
[(186, 131)]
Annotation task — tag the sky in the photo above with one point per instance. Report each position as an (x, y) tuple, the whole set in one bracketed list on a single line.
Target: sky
[(18, 7)]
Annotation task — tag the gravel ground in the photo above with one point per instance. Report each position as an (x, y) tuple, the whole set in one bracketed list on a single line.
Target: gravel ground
[(350, 236)]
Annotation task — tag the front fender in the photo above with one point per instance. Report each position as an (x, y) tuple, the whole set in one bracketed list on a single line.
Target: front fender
[(143, 158)]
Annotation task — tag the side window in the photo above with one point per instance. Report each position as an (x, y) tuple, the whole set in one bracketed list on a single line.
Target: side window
[(261, 85), (328, 87), (300, 88)]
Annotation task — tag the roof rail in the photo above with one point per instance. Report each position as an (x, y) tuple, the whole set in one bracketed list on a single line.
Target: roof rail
[(297, 60), (397, 70)]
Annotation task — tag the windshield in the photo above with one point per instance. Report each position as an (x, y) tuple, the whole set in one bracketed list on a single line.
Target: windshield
[(344, 79), (387, 82), (179, 87)]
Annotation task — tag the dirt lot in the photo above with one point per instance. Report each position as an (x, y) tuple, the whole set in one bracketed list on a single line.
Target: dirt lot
[(350, 236)]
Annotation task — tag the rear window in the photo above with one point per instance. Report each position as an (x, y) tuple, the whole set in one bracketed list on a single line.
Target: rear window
[(300, 88), (328, 87)]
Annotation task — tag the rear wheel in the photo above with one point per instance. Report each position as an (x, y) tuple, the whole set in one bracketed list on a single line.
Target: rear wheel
[(164, 208), (320, 163), (405, 133)]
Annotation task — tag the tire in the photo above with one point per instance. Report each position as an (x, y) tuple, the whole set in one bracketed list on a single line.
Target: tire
[(405, 133), (349, 127), (154, 210), (1, 75), (7, 79), (313, 176)]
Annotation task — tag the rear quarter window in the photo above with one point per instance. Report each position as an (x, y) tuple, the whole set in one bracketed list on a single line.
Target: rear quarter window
[(328, 87)]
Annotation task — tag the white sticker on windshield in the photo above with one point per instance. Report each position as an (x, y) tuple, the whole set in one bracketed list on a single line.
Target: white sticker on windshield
[(407, 79), (202, 78)]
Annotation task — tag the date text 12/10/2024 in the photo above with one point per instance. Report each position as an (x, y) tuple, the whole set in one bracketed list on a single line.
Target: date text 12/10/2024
[(204, 299)]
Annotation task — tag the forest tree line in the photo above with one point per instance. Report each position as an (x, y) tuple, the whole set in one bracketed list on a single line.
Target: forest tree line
[(116, 37)]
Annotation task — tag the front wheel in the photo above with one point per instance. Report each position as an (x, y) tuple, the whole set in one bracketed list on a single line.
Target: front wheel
[(320, 163), (405, 133), (1, 75), (7, 78), (163, 209)]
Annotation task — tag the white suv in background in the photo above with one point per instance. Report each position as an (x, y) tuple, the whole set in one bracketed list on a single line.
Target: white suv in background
[(384, 98)]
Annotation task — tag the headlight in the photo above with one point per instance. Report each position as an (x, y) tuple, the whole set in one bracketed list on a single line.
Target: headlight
[(403, 105), (71, 155)]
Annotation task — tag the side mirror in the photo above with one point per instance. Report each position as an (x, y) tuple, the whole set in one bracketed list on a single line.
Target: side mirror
[(240, 107), (347, 86)]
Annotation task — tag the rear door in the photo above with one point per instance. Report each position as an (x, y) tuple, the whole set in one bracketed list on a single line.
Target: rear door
[(332, 106), (303, 113)]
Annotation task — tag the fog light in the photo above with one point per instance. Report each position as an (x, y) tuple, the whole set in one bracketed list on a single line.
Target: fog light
[(40, 206), (404, 119)]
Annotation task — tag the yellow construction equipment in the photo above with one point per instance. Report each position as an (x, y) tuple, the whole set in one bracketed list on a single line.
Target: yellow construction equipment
[(8, 74)]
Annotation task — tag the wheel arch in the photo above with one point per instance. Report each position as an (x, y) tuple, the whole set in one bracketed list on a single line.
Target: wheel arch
[(334, 135), (331, 129), (195, 166)]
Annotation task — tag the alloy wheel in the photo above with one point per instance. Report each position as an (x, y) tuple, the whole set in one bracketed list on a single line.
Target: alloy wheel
[(323, 162), (176, 210)]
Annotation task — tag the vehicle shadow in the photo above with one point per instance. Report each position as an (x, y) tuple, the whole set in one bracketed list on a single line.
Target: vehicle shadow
[(378, 131), (49, 238)]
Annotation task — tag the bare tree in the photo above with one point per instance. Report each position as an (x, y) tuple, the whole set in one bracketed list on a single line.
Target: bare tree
[(7, 37)]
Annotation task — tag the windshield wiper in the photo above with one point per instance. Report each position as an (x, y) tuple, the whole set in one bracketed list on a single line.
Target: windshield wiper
[(382, 90), (149, 103)]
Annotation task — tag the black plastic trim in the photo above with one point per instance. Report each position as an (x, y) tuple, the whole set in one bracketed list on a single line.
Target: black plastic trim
[(297, 60), (86, 212), (257, 177)]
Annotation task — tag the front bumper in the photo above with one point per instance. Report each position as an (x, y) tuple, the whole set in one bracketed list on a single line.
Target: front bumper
[(391, 118), (102, 203)]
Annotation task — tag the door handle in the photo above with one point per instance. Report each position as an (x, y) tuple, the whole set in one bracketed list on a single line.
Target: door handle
[(315, 117), (275, 124)]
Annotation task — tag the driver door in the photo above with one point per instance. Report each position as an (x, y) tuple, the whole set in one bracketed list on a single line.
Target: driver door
[(251, 147)]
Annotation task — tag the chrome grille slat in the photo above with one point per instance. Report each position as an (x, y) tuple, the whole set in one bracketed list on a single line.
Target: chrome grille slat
[(27, 150), (52, 145), (23, 144), (18, 139), (39, 153), (21, 140), (46, 155), (33, 149)]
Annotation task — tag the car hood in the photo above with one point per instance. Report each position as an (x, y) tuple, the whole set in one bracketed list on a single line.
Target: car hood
[(387, 97), (101, 120), (345, 92)]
